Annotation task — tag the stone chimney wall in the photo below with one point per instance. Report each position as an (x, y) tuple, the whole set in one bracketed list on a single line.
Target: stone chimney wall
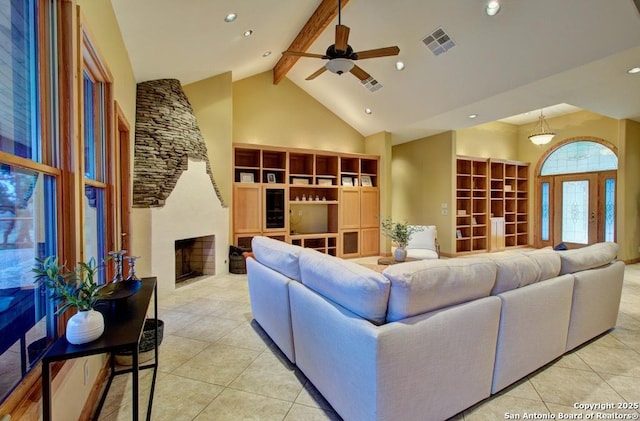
[(166, 135)]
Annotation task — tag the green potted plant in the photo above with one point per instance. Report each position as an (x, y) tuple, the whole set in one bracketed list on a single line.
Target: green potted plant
[(400, 233), (77, 288)]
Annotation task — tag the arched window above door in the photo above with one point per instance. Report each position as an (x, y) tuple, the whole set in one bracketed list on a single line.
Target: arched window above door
[(578, 157)]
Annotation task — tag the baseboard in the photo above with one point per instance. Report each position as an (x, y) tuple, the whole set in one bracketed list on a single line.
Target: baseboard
[(632, 261)]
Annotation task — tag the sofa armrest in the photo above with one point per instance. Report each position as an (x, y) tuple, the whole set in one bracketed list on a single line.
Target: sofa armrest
[(596, 301), (269, 295)]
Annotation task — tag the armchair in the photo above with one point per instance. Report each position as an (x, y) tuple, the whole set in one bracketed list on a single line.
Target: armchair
[(424, 244)]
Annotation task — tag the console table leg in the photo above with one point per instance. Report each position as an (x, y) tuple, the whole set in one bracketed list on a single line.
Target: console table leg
[(134, 389), (46, 392)]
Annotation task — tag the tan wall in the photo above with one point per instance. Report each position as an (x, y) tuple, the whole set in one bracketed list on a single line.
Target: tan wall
[(380, 144), (212, 104), (285, 115), (629, 191), (422, 173), (105, 30), (491, 140)]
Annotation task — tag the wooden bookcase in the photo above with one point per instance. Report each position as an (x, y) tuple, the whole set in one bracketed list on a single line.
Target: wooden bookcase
[(331, 200), (491, 204)]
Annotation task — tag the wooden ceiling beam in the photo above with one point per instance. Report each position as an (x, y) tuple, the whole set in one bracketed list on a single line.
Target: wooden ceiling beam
[(317, 23)]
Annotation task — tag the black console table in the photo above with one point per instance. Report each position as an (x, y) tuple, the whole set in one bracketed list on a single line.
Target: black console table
[(124, 321)]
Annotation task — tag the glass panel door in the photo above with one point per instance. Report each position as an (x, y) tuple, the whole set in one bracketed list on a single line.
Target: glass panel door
[(576, 208)]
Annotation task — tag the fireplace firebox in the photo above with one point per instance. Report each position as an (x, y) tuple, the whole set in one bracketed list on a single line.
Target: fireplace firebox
[(194, 257)]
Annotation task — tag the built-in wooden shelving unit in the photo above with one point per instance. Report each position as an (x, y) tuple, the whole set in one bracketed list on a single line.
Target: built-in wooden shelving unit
[(318, 199), (491, 204)]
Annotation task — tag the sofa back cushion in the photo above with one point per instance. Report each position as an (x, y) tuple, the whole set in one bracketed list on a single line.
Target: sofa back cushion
[(588, 257), (356, 288), (427, 285), (548, 260), (514, 271), (277, 255)]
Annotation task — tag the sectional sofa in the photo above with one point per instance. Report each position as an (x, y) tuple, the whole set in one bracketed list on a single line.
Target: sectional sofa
[(428, 339)]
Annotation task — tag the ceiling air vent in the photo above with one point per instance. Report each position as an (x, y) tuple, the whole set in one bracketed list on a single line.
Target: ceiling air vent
[(371, 84), (438, 42)]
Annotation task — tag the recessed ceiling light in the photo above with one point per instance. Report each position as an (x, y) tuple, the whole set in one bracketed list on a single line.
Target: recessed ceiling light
[(473, 115), (266, 54), (368, 111), (230, 17), (492, 8), (399, 65), (633, 70), (248, 33)]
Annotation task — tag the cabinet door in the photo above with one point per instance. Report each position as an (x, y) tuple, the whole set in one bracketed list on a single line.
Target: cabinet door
[(349, 243), (369, 242), (247, 208), (369, 208), (497, 234), (349, 207), (275, 214)]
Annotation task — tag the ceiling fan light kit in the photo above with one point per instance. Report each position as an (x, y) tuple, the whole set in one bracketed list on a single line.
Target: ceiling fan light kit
[(541, 134), (340, 65), (341, 56)]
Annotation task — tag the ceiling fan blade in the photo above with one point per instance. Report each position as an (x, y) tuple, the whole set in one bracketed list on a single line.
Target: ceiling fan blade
[(316, 73), (359, 73), (342, 37), (301, 54), (377, 52)]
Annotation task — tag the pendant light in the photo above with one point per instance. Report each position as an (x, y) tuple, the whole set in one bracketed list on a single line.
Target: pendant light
[(541, 133)]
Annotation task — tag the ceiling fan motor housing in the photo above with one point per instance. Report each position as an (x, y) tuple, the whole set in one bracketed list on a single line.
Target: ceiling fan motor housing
[(333, 53)]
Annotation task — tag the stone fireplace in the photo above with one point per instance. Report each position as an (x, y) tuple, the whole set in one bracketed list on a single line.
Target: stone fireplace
[(175, 197)]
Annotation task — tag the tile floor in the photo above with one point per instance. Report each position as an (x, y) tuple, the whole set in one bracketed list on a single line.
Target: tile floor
[(217, 364)]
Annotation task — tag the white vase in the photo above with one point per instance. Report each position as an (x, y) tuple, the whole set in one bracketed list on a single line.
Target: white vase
[(400, 254), (85, 326)]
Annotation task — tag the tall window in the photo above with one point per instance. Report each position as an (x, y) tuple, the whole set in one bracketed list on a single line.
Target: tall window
[(95, 165), (28, 183)]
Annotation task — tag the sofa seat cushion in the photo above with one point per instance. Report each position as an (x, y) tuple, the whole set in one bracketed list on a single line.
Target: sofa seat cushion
[(514, 271), (588, 257), (354, 287), (427, 285), (548, 260), (277, 255), (422, 254)]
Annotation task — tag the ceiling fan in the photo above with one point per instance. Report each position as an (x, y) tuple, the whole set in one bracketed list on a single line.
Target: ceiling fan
[(341, 56)]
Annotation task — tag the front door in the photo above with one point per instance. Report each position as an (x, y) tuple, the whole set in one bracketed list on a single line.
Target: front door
[(575, 209)]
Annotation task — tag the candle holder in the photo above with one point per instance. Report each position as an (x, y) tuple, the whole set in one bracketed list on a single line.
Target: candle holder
[(117, 260), (131, 260)]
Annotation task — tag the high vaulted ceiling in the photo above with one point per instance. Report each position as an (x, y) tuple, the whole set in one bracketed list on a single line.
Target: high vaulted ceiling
[(533, 54)]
